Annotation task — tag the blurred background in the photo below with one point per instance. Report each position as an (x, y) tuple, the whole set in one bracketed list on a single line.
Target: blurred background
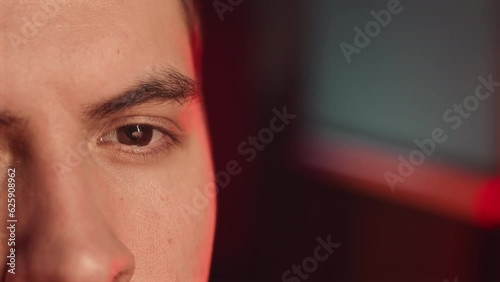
[(364, 80)]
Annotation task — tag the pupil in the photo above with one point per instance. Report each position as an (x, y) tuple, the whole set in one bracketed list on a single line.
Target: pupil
[(135, 135), (134, 132)]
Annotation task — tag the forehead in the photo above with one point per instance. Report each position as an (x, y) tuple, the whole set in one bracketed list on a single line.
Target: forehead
[(81, 42)]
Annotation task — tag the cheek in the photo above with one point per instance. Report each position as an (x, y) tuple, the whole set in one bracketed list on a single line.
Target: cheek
[(165, 213)]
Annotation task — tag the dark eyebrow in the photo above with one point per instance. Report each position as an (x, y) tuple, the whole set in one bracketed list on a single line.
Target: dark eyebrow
[(163, 85)]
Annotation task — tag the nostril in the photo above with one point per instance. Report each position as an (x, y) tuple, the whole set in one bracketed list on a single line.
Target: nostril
[(121, 277), (122, 269)]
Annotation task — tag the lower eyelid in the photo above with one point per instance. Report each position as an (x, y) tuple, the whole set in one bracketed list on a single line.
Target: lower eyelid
[(172, 139), (144, 153)]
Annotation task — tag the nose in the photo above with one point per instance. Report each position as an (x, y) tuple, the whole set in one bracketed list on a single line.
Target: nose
[(67, 235)]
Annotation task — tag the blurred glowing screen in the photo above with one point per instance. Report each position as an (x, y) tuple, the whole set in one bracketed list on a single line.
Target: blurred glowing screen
[(396, 89)]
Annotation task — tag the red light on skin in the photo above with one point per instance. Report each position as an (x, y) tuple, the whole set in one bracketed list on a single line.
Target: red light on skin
[(117, 266), (487, 205), (196, 51)]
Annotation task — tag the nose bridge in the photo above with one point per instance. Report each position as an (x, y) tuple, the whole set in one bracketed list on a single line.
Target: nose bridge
[(59, 141), (61, 199), (56, 185), (64, 220)]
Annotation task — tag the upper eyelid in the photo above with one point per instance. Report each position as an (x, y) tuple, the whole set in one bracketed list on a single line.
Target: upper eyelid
[(147, 153), (161, 130), (156, 122)]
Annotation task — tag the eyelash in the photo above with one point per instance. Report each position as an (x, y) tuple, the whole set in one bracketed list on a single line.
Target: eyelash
[(169, 141)]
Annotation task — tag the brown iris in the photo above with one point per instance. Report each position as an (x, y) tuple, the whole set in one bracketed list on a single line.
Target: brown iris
[(135, 135)]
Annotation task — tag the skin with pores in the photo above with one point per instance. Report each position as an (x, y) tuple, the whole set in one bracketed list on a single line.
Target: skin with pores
[(112, 82)]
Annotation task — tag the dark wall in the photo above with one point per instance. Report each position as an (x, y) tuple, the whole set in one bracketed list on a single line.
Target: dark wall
[(270, 215)]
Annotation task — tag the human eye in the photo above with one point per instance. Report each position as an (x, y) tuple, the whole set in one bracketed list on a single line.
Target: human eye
[(139, 137)]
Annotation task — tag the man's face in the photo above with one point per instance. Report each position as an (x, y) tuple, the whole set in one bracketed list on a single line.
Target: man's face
[(99, 118)]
